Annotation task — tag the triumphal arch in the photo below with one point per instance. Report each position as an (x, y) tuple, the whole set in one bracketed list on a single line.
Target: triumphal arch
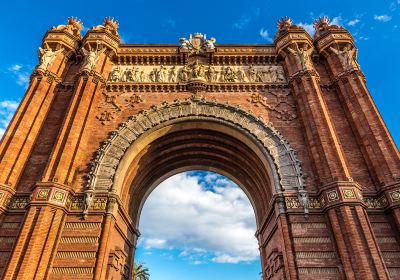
[(102, 123)]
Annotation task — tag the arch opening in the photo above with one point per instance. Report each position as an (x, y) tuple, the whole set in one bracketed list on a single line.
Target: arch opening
[(199, 221), (195, 134)]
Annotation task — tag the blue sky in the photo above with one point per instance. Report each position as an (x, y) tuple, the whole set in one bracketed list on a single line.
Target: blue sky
[(374, 24)]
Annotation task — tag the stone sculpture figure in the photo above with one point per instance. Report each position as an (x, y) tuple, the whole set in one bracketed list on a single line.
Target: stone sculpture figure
[(198, 70), (91, 56), (229, 75), (240, 75), (153, 74), (46, 57), (172, 74), (210, 43), (347, 57), (252, 74), (88, 201), (197, 43), (302, 56), (184, 74), (115, 74), (73, 26), (142, 76), (280, 75)]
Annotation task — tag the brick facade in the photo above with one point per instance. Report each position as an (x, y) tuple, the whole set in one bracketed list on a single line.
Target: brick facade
[(102, 123)]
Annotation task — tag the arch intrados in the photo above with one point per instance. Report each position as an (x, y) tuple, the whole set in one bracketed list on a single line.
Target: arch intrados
[(186, 125)]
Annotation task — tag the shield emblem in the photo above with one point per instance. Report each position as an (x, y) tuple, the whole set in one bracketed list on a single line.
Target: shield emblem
[(196, 43)]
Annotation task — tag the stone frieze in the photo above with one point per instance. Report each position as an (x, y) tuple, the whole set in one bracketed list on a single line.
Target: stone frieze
[(262, 74)]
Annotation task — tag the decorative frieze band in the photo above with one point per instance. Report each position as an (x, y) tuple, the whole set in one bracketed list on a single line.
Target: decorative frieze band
[(264, 74), (319, 270), (76, 255), (79, 239), (72, 270)]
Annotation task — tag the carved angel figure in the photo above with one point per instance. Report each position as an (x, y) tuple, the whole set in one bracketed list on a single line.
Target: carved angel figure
[(184, 43), (347, 57), (302, 56), (210, 43), (46, 57), (91, 56)]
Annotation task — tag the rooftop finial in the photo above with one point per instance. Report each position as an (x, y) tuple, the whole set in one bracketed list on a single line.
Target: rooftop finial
[(321, 23), (109, 25), (73, 27), (284, 23)]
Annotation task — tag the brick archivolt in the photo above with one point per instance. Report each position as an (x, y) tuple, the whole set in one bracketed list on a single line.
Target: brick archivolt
[(107, 170)]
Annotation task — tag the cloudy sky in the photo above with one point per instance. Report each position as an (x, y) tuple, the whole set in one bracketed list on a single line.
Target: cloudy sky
[(199, 222), (207, 203)]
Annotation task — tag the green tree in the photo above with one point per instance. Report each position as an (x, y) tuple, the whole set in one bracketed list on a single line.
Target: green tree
[(140, 272)]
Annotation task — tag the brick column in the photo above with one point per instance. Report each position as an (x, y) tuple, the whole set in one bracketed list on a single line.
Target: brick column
[(336, 45), (25, 126), (98, 48), (353, 234), (39, 235), (296, 48)]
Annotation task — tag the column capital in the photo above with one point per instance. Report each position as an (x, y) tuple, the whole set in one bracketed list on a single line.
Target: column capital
[(328, 35), (295, 46), (105, 34), (66, 35)]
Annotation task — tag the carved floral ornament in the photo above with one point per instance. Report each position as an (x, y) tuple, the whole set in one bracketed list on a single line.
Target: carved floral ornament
[(265, 74), (288, 174)]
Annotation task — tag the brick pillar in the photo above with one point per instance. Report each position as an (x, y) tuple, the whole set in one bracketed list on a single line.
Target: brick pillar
[(104, 244), (336, 45), (30, 258), (25, 126), (295, 46), (345, 210), (98, 48)]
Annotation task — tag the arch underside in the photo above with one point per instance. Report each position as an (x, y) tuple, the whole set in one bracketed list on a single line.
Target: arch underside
[(195, 134)]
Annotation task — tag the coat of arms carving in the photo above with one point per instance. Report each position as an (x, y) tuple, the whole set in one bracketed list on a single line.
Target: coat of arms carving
[(197, 44)]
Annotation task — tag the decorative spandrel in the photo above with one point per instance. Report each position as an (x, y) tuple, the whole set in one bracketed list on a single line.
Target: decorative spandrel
[(263, 74)]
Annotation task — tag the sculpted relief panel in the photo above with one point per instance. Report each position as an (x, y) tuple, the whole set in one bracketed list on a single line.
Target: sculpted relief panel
[(273, 74)]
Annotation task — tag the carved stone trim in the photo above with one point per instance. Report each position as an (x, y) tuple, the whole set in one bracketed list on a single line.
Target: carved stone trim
[(287, 166), (226, 87)]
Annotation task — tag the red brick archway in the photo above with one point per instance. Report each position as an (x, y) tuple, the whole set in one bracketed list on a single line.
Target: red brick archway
[(102, 123)]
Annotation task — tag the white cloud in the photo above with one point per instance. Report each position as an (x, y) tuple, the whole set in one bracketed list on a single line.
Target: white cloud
[(243, 22), (336, 21), (15, 68), (383, 18), (207, 218), (309, 27), (265, 35), (20, 73), (353, 22), (7, 109)]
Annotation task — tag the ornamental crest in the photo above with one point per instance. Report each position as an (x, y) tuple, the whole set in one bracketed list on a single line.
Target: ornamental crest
[(197, 44)]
